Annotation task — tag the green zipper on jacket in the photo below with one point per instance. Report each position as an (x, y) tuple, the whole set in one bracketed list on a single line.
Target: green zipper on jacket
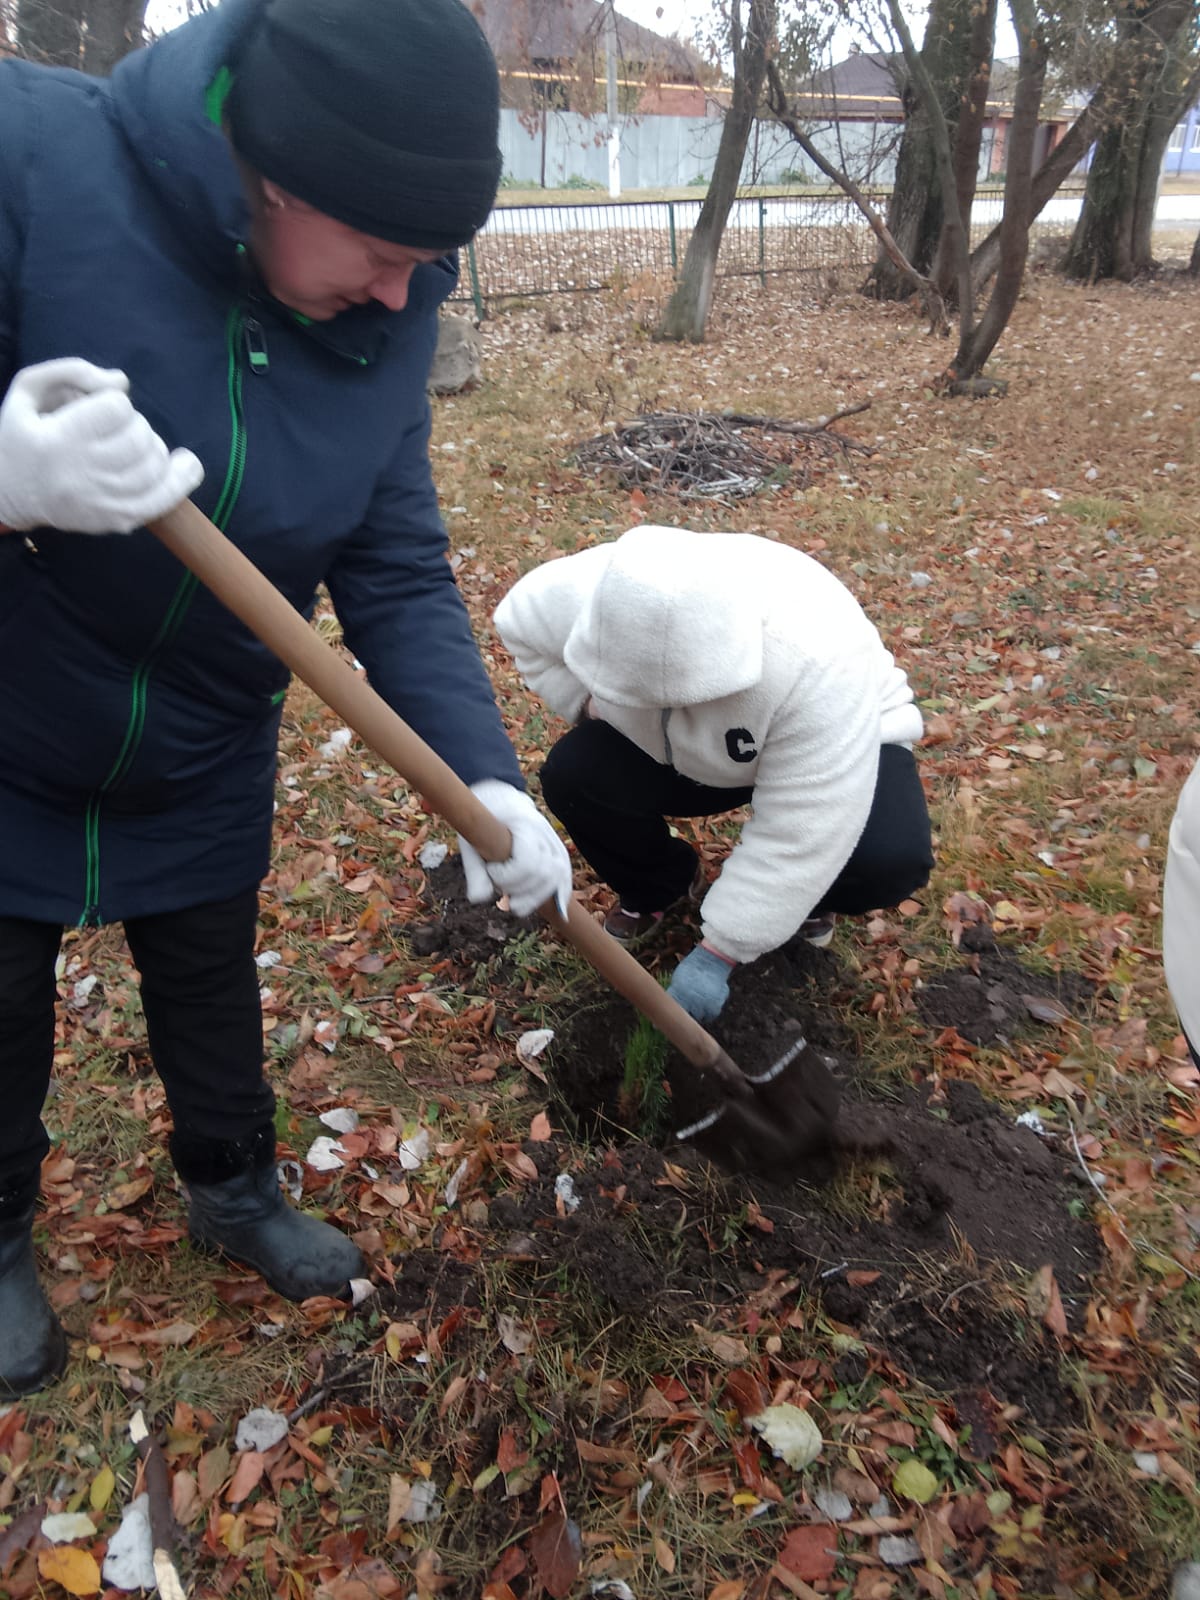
[(236, 333)]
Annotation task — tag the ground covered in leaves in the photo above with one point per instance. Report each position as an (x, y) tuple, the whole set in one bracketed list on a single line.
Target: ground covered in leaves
[(583, 1352)]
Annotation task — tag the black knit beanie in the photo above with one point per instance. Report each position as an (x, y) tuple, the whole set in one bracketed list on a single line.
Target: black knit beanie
[(381, 113)]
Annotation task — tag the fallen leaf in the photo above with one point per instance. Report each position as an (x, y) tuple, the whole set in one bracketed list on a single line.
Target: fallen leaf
[(791, 1433), (74, 1570), (810, 1552), (102, 1487), (1045, 1009), (912, 1480), (123, 1195), (1045, 1302), (251, 1464), (171, 1333), (539, 1128), (557, 1550), (61, 1527), (793, 1584), (723, 1345), (212, 1470), (401, 1337), (514, 1335), (744, 1393), (1056, 1082)]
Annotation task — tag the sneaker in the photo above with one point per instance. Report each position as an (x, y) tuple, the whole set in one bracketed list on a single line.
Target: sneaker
[(630, 926), (818, 931)]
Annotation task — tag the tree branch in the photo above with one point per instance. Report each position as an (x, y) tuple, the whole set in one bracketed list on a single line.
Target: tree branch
[(780, 109)]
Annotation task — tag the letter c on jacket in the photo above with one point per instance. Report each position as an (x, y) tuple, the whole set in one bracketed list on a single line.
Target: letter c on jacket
[(740, 744)]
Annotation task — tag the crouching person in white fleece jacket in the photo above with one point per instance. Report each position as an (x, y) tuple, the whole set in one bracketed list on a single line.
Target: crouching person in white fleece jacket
[(706, 671), (1181, 912)]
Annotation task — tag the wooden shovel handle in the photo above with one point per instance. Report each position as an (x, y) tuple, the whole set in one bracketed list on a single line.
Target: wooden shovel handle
[(238, 583)]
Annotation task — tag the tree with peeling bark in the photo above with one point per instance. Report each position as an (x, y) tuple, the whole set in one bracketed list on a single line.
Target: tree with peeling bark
[(1159, 55), (752, 38), (956, 54), (1053, 171), (977, 335)]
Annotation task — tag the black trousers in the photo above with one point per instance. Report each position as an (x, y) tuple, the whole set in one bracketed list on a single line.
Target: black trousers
[(199, 987), (613, 800)]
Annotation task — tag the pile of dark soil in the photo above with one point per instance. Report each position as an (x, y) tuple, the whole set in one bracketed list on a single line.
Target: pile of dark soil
[(944, 1200), (993, 996)]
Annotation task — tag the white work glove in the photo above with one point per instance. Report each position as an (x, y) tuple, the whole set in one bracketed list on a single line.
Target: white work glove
[(75, 455), (539, 868)]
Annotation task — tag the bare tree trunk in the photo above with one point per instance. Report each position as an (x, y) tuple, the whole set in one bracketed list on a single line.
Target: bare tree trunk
[(50, 31), (953, 231), (780, 108), (114, 28), (969, 137), (917, 207), (1048, 178), (1194, 264), (975, 349), (686, 313), (1112, 238), (1165, 112)]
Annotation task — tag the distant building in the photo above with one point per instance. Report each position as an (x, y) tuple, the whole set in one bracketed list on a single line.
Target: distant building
[(552, 55), (1183, 147), (867, 91)]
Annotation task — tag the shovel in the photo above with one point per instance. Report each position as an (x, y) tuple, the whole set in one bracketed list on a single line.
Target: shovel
[(768, 1125)]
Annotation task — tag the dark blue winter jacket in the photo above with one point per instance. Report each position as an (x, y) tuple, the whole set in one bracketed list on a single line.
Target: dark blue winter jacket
[(138, 718)]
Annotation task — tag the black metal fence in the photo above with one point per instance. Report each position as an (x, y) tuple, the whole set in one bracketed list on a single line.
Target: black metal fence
[(572, 249)]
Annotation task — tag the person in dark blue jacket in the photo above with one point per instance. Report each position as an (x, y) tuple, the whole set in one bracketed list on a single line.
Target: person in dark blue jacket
[(220, 274)]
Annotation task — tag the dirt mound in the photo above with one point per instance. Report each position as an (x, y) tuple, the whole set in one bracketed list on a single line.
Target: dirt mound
[(907, 1249), (994, 995)]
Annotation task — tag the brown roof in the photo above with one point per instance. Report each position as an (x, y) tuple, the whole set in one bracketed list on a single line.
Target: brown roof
[(524, 32)]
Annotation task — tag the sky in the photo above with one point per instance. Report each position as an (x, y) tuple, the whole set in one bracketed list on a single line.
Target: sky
[(678, 16), (663, 16)]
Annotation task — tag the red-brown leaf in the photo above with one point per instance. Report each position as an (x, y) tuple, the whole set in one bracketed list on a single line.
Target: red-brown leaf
[(557, 1551), (810, 1552)]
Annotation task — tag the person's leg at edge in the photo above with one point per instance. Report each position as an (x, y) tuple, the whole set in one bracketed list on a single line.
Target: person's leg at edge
[(613, 800), (33, 1346), (200, 995)]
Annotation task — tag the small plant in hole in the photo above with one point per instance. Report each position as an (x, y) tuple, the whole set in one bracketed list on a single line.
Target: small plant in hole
[(643, 1086)]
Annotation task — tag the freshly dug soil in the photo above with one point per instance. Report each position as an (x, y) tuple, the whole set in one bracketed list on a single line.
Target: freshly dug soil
[(469, 935), (993, 996), (942, 1198)]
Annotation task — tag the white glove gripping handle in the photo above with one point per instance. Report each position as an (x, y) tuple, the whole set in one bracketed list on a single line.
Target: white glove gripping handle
[(537, 870), (75, 455)]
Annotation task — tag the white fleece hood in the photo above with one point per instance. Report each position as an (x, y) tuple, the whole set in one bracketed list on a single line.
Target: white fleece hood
[(675, 620)]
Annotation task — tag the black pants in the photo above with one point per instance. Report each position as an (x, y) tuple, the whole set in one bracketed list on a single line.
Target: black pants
[(200, 996), (613, 800)]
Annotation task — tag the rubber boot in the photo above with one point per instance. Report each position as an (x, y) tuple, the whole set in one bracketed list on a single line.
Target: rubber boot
[(236, 1209), (33, 1346)]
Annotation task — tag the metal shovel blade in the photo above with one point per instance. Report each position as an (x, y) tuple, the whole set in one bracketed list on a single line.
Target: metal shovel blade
[(778, 1122), (720, 1112)]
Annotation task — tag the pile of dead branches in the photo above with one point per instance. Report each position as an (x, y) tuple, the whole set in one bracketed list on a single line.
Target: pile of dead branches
[(715, 455)]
